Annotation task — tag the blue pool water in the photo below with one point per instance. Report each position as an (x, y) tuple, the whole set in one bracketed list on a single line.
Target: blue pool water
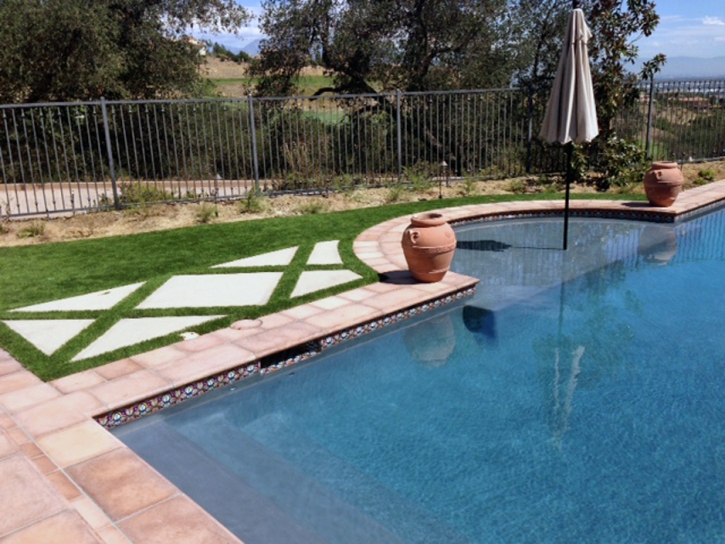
[(577, 397)]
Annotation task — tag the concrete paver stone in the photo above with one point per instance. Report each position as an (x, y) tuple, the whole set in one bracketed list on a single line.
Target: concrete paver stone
[(48, 334), (214, 290), (316, 280), (274, 258), (132, 331), (325, 253), (100, 300)]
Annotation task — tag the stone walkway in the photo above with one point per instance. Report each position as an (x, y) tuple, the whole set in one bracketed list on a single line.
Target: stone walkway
[(65, 479), (231, 287)]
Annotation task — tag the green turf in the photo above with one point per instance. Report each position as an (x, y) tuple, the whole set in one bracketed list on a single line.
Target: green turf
[(36, 274)]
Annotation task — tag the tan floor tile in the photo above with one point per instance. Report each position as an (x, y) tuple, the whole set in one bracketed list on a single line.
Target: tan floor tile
[(330, 303), (345, 317), (65, 527), (159, 356), (91, 513), (27, 397), (31, 450), (382, 287), (276, 320), (63, 485), (18, 436), (177, 520), (17, 381), (233, 335), (111, 535), (302, 312), (26, 494), (6, 421), (201, 365), (44, 464), (78, 443), (8, 366), (292, 335), (396, 300), (120, 483), (114, 370), (200, 343), (357, 295), (7, 445), (59, 413), (131, 387), (77, 381)]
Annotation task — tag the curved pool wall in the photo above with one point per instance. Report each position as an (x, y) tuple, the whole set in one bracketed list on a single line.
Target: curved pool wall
[(591, 406)]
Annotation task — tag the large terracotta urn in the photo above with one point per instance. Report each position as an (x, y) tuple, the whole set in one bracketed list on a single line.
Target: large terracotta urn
[(662, 183), (428, 245)]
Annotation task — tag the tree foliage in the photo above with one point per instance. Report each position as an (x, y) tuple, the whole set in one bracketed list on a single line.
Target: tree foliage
[(57, 50), (616, 26), (371, 45)]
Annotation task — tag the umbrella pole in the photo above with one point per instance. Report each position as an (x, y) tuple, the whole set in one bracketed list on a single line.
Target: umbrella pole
[(569, 176)]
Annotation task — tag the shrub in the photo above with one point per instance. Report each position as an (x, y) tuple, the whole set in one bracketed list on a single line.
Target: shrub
[(621, 162), (706, 175), (312, 207), (140, 193), (469, 186), (518, 186), (254, 202), (395, 193), (206, 212), (33, 229)]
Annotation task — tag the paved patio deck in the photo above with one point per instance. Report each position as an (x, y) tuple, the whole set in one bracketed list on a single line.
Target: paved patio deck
[(65, 479)]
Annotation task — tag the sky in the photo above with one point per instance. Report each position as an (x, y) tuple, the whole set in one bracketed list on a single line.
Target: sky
[(688, 28)]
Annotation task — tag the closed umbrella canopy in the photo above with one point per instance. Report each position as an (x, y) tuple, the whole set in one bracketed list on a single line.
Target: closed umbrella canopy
[(571, 113)]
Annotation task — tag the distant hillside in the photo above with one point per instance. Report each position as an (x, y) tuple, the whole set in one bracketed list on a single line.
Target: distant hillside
[(690, 67), (252, 48)]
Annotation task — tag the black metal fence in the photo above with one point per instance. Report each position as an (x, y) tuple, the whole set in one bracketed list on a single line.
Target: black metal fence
[(65, 157)]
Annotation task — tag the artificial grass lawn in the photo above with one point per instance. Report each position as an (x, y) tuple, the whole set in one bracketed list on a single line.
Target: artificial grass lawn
[(36, 274)]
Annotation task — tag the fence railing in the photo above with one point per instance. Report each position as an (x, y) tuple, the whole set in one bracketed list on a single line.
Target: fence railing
[(65, 157)]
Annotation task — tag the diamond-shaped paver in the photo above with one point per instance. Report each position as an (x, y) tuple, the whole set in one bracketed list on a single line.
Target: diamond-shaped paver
[(100, 300), (325, 253), (275, 258), (317, 280), (128, 332), (214, 290), (48, 334)]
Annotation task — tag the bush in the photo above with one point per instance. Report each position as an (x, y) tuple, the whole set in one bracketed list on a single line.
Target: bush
[(621, 163), (254, 202), (206, 212), (33, 229)]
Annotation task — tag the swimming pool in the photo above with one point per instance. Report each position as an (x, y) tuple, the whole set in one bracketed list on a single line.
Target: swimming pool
[(536, 411)]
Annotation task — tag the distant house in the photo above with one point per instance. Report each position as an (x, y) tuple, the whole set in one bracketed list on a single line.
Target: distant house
[(196, 43)]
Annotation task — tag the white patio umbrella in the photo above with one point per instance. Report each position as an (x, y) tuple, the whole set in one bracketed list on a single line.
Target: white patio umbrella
[(571, 114)]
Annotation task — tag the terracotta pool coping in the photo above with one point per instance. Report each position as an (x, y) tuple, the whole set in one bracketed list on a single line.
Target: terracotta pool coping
[(66, 479)]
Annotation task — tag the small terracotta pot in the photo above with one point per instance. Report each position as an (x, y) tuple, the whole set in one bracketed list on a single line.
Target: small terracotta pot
[(428, 245), (662, 183)]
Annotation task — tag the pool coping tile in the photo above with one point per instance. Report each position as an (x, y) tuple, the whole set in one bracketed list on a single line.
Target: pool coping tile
[(56, 428)]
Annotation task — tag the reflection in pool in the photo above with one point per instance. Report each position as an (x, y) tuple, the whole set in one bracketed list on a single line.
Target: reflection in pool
[(577, 397)]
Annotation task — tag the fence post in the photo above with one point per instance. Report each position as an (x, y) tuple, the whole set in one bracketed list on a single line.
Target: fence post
[(650, 108), (109, 151), (254, 143), (400, 136), (531, 129)]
